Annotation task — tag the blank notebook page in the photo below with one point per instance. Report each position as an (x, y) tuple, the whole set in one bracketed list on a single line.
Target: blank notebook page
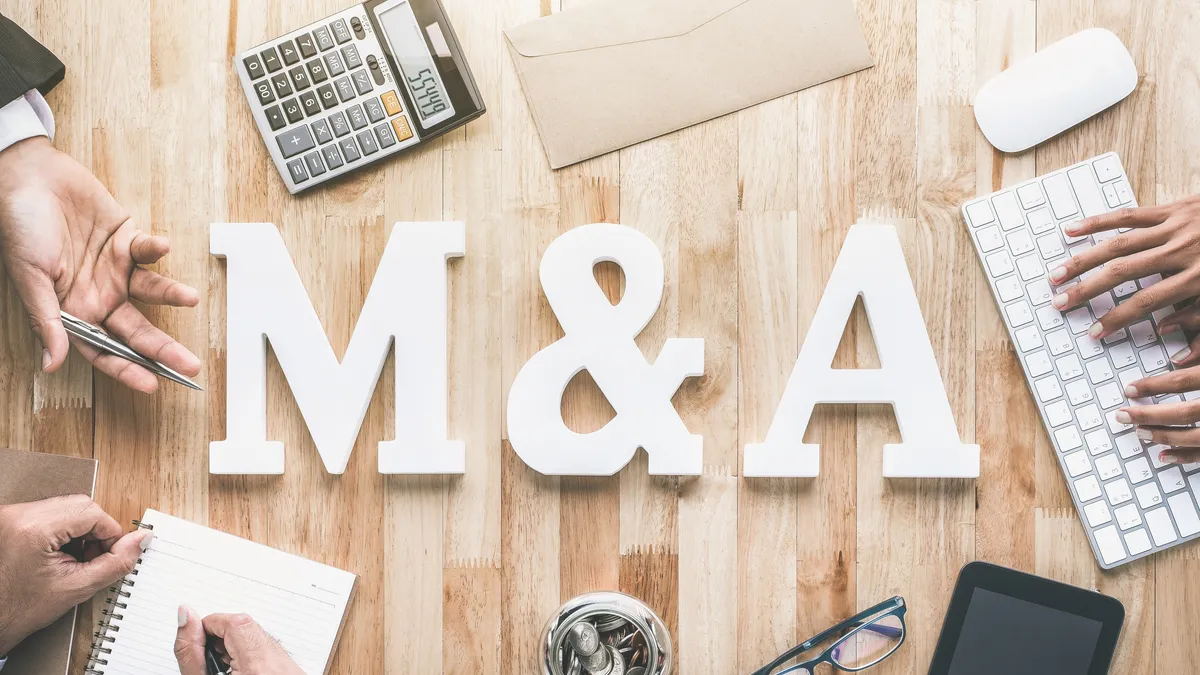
[(299, 602)]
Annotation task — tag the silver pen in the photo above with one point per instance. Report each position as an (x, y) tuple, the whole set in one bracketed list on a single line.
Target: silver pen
[(105, 343)]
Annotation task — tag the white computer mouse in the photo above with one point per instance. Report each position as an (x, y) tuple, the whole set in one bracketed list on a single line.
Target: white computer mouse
[(1060, 86)]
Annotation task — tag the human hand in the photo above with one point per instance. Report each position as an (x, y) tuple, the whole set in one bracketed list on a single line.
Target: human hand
[(39, 581), (247, 648), (1164, 240), (1169, 423), (67, 244)]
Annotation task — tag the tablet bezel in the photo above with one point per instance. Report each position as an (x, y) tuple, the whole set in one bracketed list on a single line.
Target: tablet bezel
[(1045, 592)]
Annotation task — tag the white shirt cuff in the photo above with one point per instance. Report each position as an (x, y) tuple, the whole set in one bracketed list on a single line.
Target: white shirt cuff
[(23, 118)]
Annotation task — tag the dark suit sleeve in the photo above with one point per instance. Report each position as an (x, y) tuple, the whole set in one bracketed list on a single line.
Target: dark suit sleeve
[(24, 64)]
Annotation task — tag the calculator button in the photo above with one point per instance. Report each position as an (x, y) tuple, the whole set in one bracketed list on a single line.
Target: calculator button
[(311, 105), (328, 98), (332, 157), (283, 84), (357, 119), (403, 131), (340, 32), (323, 39), (391, 103), (254, 67), (265, 93), (356, 24), (333, 63), (315, 166), (305, 43), (321, 131), (275, 118), (387, 138), (349, 149), (295, 141), (338, 121), (367, 140), (297, 170), (299, 78), (350, 54), (271, 59), (316, 69), (362, 81), (288, 51), (344, 89), (291, 108), (374, 110)]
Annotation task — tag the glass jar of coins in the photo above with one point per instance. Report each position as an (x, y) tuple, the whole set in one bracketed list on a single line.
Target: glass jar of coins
[(606, 633)]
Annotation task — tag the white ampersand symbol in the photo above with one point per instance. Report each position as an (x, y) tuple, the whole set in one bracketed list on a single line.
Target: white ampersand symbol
[(599, 338)]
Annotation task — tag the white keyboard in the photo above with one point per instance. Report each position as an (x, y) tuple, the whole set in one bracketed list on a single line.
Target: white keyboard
[(1130, 504)]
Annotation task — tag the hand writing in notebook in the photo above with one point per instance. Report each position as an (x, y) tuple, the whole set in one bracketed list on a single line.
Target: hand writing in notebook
[(39, 579), (242, 643)]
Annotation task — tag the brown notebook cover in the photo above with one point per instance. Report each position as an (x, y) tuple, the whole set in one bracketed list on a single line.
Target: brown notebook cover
[(31, 477)]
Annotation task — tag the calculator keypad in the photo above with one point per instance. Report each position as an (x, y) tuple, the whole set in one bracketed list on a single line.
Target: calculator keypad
[(323, 95)]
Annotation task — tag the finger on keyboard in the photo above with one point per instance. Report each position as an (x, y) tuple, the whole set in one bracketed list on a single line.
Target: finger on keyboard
[(1142, 216), (1126, 245), (1164, 294), (1164, 414), (1173, 382), (1187, 437)]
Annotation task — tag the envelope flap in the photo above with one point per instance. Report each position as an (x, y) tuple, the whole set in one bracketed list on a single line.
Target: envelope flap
[(606, 24)]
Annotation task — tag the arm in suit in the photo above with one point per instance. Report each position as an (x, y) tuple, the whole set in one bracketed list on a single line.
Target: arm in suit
[(25, 64)]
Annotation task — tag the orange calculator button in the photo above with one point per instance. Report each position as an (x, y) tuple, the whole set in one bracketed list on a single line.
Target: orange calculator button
[(400, 124), (391, 103)]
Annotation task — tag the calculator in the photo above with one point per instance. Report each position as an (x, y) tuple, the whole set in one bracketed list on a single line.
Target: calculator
[(360, 85)]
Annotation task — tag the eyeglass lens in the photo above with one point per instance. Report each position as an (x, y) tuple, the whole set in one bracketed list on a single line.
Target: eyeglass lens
[(870, 644)]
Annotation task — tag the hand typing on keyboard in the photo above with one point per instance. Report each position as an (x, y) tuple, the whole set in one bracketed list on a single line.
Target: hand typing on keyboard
[(1155, 242)]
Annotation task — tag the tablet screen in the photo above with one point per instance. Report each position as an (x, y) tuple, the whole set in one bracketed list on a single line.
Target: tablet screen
[(1002, 635)]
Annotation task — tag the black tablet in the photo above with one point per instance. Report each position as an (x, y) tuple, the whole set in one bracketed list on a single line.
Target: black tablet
[(1005, 622)]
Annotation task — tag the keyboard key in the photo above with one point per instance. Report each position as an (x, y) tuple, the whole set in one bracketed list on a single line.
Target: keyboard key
[(1049, 318), (288, 51), (1122, 354), (1161, 529), (298, 172), (295, 141), (1138, 542), (1088, 346), (1099, 370), (1041, 221), (1080, 319), (1139, 470), (323, 39), (1147, 282), (1124, 289), (1171, 480), (1142, 333), (275, 118), (344, 88), (316, 70), (266, 93), (1019, 313), (362, 81), (1068, 438), (1124, 192), (1108, 541), (1058, 190), (980, 213), (1068, 367), (1008, 289), (291, 108), (1113, 425), (1174, 341), (998, 263), (358, 120), (1110, 195), (1153, 358), (333, 158), (1058, 413), (333, 63), (1049, 389), (1089, 417), (349, 149), (1080, 247), (1050, 245), (1029, 267), (1091, 202), (1097, 514), (340, 32), (1077, 463), (1185, 514), (1030, 195), (391, 103), (375, 111), (1109, 395), (299, 77), (1129, 445), (254, 67), (271, 59), (1148, 495), (1102, 304), (1118, 492), (1127, 516), (1107, 168), (1098, 442), (1129, 375), (1039, 292), (367, 141), (1115, 336), (338, 122), (311, 105), (306, 46), (328, 97), (989, 237), (321, 131), (350, 54), (1020, 242), (1059, 342), (1108, 467), (1078, 392), (315, 166), (1087, 488), (1028, 338), (1038, 364), (387, 139)]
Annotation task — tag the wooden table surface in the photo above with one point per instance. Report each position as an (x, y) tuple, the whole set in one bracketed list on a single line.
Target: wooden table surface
[(459, 574)]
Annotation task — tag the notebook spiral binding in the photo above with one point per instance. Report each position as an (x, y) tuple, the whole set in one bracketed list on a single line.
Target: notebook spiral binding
[(115, 602)]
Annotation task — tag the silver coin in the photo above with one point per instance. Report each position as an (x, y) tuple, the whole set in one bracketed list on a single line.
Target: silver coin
[(610, 624)]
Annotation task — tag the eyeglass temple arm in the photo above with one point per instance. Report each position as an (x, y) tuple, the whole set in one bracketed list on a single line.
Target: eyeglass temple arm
[(856, 620)]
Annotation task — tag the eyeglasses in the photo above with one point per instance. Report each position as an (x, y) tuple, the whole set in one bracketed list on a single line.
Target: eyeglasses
[(861, 641)]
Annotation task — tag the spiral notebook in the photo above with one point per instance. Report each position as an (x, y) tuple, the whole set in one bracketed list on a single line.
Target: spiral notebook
[(301, 603)]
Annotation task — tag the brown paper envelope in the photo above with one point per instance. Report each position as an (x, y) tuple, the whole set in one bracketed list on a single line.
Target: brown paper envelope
[(31, 477), (612, 73)]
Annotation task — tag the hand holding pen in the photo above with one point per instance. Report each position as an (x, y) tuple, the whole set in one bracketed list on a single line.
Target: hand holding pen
[(228, 644)]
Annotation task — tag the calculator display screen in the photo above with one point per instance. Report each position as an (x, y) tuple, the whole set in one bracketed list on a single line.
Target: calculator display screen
[(420, 73)]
